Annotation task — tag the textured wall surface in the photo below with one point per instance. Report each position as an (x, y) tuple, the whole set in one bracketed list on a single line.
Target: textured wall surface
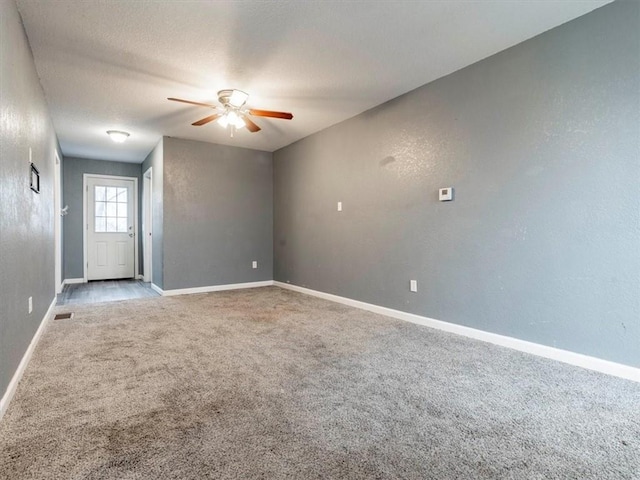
[(218, 214), (26, 218), (542, 241), (73, 170), (155, 161)]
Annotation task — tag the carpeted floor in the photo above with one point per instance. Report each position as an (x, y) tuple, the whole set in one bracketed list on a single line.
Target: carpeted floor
[(270, 384)]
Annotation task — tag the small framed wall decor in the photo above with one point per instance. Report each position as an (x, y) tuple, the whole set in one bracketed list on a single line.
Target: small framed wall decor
[(35, 179)]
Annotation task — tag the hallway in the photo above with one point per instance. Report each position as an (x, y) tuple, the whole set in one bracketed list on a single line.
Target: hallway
[(104, 291)]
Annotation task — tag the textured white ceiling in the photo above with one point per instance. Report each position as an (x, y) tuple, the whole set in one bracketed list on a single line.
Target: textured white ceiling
[(112, 64)]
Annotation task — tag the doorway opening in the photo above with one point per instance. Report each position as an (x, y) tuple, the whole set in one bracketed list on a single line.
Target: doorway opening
[(110, 232)]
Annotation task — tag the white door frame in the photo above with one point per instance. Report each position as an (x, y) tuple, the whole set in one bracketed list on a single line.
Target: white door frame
[(147, 224), (57, 230), (85, 222)]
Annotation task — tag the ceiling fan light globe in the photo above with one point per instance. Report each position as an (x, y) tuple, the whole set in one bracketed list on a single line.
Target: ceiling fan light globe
[(223, 121), (235, 119), (238, 98)]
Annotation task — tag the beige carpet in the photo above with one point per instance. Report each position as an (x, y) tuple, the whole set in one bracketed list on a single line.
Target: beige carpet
[(267, 383)]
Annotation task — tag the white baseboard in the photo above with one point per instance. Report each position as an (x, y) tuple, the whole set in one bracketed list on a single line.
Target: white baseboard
[(69, 281), (211, 288), (565, 356), (13, 384)]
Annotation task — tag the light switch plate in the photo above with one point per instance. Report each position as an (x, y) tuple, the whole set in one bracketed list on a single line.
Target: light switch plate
[(445, 194)]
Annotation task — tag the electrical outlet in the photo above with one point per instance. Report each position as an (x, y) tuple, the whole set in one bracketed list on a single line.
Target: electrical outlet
[(339, 206), (413, 285), (254, 264), (30, 304)]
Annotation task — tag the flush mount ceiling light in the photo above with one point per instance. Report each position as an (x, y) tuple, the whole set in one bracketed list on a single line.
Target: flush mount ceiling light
[(233, 114), (117, 136)]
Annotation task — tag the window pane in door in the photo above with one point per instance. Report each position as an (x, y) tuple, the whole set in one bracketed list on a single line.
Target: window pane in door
[(112, 194), (101, 224), (110, 209), (101, 194), (122, 225), (112, 224), (101, 209)]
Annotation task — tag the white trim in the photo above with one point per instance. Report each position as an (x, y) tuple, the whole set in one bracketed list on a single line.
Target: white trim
[(85, 177), (69, 281), (211, 288), (13, 384), (147, 224), (565, 356), (57, 223)]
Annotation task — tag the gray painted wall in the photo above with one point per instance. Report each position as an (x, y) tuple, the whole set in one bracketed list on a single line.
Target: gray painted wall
[(26, 218), (155, 161), (542, 241), (218, 214), (73, 170)]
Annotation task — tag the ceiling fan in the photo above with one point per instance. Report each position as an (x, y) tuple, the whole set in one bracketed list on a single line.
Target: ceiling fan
[(233, 113)]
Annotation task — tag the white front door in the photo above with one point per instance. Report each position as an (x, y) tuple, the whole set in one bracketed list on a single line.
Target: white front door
[(110, 228)]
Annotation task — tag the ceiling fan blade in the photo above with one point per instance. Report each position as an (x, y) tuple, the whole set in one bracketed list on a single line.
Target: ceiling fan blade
[(251, 126), (208, 119), (192, 103), (269, 113)]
